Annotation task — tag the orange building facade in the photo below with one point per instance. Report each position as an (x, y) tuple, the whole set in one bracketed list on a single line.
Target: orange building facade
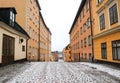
[(81, 34), (29, 17), (106, 30), (66, 53), (54, 56), (33, 27), (45, 41)]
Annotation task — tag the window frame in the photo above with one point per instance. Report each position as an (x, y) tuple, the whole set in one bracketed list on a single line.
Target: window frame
[(80, 30), (113, 14), (87, 6), (115, 57), (12, 18), (85, 42), (89, 40), (23, 48), (103, 50), (99, 1), (89, 22), (84, 26), (102, 21)]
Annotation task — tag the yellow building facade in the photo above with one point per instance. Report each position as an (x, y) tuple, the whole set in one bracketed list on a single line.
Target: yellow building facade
[(45, 41), (106, 30)]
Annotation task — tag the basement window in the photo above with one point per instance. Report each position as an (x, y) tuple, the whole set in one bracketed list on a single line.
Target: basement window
[(23, 48)]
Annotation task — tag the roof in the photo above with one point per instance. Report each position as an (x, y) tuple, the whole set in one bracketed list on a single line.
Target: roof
[(45, 24), (38, 4), (9, 8), (77, 15), (16, 26)]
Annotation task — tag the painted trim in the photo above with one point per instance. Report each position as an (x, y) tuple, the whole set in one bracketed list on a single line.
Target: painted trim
[(9, 29), (110, 31)]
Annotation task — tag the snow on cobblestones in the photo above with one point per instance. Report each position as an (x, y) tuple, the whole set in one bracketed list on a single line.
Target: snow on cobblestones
[(111, 71), (60, 72)]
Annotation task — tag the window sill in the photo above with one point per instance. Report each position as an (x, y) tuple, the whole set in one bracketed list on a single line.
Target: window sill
[(116, 59), (101, 29), (114, 23)]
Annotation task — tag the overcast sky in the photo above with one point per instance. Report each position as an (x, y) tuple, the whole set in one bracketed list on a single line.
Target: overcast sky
[(59, 16)]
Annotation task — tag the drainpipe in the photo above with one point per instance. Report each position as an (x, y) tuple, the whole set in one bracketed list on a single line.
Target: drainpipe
[(27, 49), (92, 58), (39, 39)]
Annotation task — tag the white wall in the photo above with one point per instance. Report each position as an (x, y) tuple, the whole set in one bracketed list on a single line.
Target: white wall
[(0, 46), (18, 54)]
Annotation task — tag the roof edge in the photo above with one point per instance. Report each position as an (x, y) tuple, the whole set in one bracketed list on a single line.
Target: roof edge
[(77, 15)]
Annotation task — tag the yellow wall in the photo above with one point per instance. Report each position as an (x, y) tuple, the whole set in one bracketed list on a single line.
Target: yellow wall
[(108, 39), (96, 10)]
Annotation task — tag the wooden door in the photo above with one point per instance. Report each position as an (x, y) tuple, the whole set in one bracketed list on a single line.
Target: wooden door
[(8, 49)]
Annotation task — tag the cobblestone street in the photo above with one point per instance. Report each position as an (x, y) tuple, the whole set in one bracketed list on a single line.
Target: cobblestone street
[(58, 72)]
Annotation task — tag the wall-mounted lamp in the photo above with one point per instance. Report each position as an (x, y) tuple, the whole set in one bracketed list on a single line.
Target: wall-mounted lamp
[(21, 40)]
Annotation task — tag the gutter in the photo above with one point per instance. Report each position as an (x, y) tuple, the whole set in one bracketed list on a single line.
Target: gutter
[(90, 2), (27, 49), (39, 40)]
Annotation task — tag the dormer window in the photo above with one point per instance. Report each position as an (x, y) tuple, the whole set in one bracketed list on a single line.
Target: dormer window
[(99, 1), (12, 18)]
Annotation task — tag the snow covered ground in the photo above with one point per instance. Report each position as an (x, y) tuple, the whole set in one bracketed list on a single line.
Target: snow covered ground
[(59, 72)]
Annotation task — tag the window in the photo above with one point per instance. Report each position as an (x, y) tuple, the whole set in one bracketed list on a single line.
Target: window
[(113, 14), (88, 22), (89, 40), (82, 13), (80, 18), (81, 31), (87, 5), (31, 1), (104, 51), (84, 26), (99, 1), (102, 22), (31, 14), (116, 49), (90, 55), (82, 56), (23, 48), (85, 42), (81, 43), (12, 18), (85, 56)]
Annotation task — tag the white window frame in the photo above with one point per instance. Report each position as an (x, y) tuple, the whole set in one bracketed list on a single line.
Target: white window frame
[(109, 6), (102, 12)]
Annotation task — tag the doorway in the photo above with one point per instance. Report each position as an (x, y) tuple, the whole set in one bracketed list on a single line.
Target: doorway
[(8, 49)]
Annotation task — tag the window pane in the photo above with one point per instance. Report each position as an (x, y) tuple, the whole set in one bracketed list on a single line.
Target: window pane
[(102, 21), (118, 43), (118, 50), (104, 50), (114, 53), (113, 14)]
